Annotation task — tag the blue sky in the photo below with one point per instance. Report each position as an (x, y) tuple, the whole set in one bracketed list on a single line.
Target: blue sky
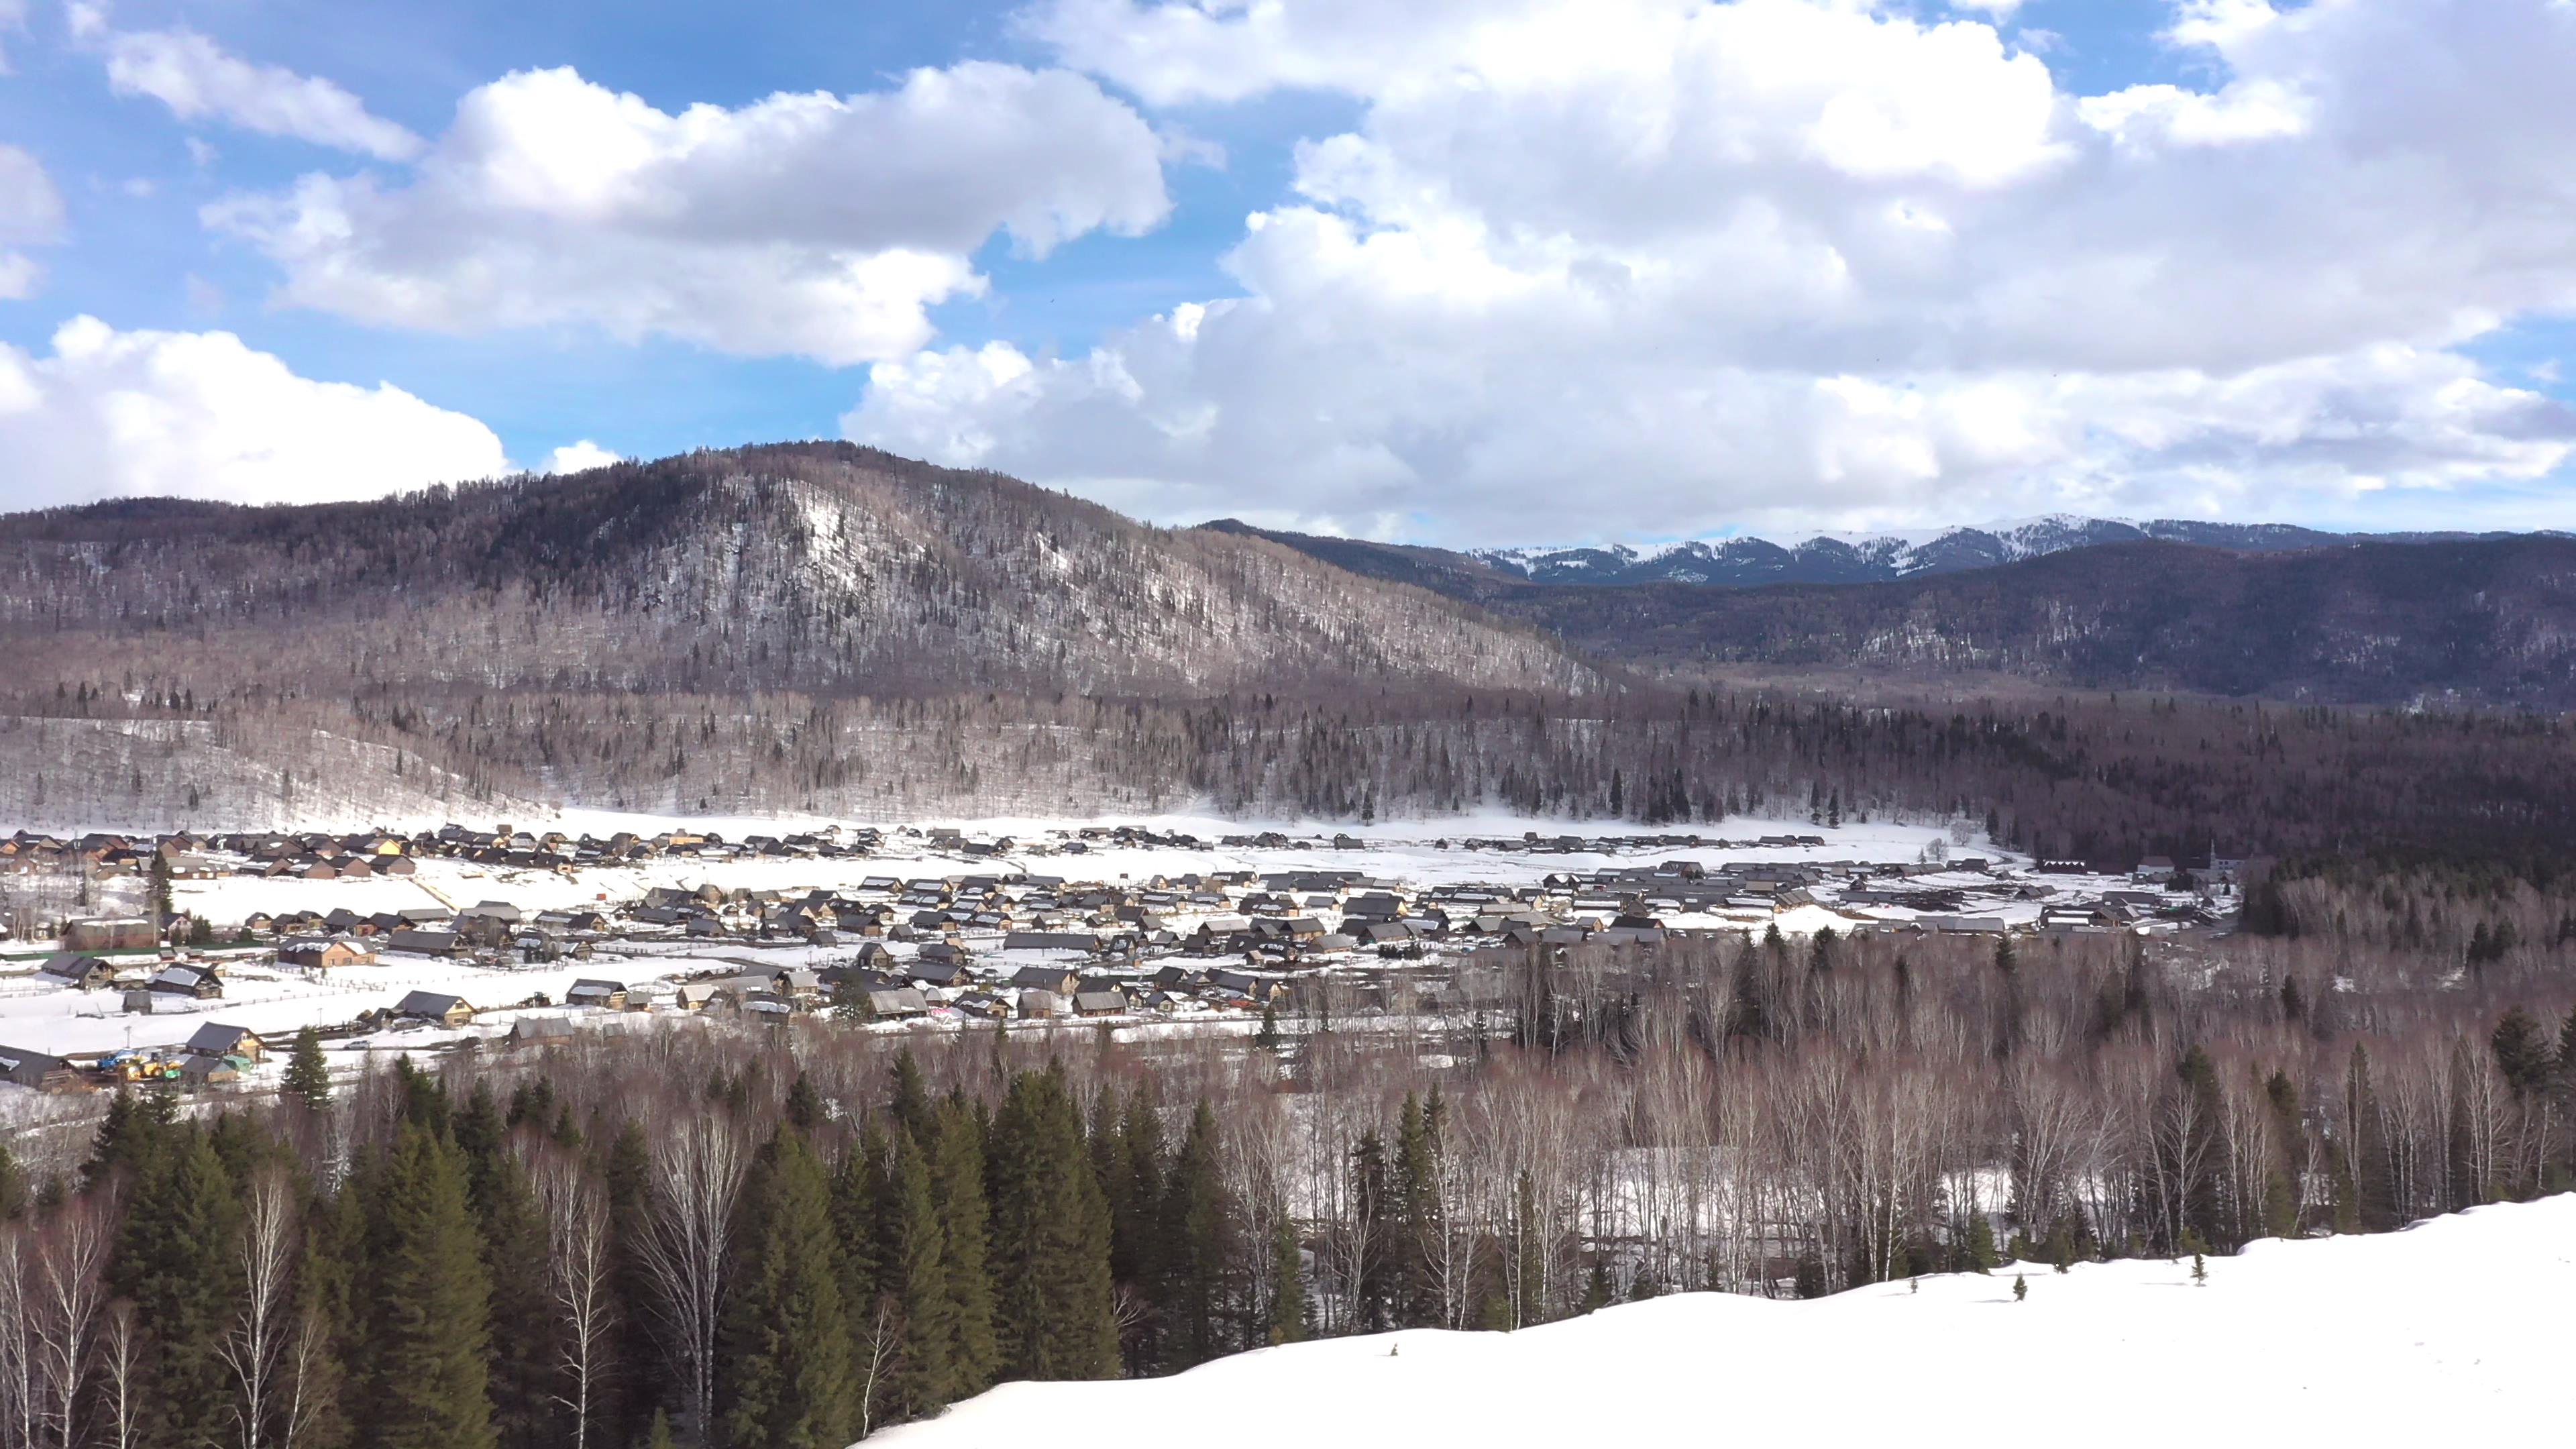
[(1430, 271)]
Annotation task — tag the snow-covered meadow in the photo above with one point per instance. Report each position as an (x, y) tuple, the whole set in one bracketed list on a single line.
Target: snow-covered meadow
[(2452, 1331)]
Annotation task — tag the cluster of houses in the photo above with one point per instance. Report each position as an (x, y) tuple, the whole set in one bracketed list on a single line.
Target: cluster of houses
[(216, 1053)]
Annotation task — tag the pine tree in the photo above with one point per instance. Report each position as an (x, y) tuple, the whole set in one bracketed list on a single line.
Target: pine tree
[(2199, 1270), (659, 1436), (791, 1368), (1597, 1292), (1128, 1153), (176, 1261), (1415, 1186), (1287, 1315), (626, 1173), (1981, 1243), (13, 1185), (911, 1099), (2021, 1290), (428, 1369), (860, 1190), (1267, 1039), (1052, 1304), (922, 1309), (521, 1313), (308, 1076), (1198, 1227), (957, 1186), (324, 1319), (804, 1107)]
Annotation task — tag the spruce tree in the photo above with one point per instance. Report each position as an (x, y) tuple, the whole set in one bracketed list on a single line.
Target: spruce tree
[(308, 1076), (13, 1185), (428, 1371), (792, 1379), (910, 1102), (1418, 1227), (1198, 1227), (1981, 1243), (2021, 1290), (1287, 1315), (860, 1189), (957, 1185), (1053, 1312), (804, 1106), (1597, 1292), (177, 1261), (522, 1313), (1128, 1153), (922, 1312)]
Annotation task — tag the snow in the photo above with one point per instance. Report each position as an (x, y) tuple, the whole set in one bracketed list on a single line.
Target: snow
[(2454, 1327)]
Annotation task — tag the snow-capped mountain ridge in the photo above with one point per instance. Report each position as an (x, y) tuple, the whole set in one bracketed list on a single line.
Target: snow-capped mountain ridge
[(1835, 558)]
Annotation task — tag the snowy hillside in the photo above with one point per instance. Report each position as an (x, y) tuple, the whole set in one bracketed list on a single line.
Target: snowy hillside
[(2456, 1327)]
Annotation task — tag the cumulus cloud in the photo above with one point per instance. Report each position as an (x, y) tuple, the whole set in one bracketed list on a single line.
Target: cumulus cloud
[(31, 214), (580, 457), (811, 224), (200, 81), (1815, 262), (201, 415)]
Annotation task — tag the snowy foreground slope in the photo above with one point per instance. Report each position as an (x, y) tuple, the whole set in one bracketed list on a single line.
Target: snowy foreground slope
[(2457, 1329)]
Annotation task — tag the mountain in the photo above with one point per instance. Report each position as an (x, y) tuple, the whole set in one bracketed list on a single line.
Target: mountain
[(1823, 559), (2491, 621), (2380, 1339), (809, 625), (821, 566)]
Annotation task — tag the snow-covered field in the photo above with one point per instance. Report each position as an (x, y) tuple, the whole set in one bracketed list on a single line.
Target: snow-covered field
[(2453, 1331)]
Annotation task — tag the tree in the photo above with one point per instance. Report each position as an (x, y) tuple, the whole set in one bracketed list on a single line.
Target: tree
[(1198, 1228), (957, 1187), (2021, 1290), (1267, 1039), (175, 1261), (1981, 1243), (792, 1378), (916, 1287), (2199, 1270), (1286, 1319), (1052, 1303), (429, 1370), (308, 1076)]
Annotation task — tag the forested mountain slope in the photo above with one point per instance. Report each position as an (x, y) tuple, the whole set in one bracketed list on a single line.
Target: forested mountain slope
[(2485, 620), (820, 566), (2493, 621)]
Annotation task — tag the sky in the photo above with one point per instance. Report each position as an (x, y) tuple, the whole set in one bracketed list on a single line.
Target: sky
[(1462, 272)]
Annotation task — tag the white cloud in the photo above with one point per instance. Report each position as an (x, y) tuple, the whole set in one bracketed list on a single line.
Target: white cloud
[(1815, 261), (198, 80), (31, 214), (201, 415), (580, 457), (812, 224)]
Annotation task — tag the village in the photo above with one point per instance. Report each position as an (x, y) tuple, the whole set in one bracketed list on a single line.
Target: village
[(193, 960)]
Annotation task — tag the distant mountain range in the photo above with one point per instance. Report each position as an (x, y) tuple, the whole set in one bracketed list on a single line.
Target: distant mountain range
[(1822, 559), (2203, 607)]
